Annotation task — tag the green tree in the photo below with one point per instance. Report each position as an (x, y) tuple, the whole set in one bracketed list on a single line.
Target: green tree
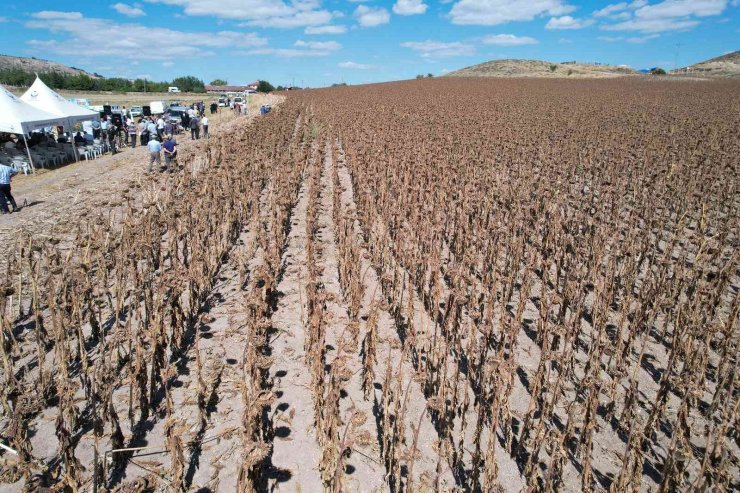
[(265, 86), (189, 84), (429, 76), (657, 71), (420, 76), (553, 67), (218, 82)]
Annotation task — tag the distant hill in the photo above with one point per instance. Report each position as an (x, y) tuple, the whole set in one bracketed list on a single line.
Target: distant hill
[(539, 68), (36, 65), (722, 66)]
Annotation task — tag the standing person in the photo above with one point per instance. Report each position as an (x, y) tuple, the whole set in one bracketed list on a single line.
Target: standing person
[(194, 129), (6, 173), (96, 129), (152, 127), (124, 128), (143, 132), (155, 148), (204, 121), (170, 151), (131, 129), (185, 121), (112, 134), (169, 127), (160, 128)]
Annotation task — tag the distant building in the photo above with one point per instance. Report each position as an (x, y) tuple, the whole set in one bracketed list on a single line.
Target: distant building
[(224, 89)]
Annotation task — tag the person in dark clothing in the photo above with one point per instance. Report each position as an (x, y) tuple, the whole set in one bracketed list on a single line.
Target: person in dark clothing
[(170, 151), (194, 129), (79, 139), (112, 134), (185, 121)]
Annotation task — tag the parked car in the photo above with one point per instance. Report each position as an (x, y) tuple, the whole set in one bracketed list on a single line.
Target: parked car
[(222, 101), (173, 89), (135, 111), (175, 113)]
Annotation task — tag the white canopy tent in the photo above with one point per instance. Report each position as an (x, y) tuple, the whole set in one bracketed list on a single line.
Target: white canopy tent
[(18, 117), (41, 96)]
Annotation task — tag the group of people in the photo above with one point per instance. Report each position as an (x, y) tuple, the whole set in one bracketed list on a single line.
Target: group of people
[(156, 133)]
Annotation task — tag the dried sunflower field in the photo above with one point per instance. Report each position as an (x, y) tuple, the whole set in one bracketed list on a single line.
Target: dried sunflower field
[(437, 285)]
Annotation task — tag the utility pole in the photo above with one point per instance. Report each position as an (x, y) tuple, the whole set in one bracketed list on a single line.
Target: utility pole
[(678, 50)]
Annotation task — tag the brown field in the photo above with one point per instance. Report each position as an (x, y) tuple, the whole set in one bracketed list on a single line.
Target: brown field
[(437, 285)]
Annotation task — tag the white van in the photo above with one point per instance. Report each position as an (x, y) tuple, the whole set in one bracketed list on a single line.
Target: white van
[(173, 89), (158, 107)]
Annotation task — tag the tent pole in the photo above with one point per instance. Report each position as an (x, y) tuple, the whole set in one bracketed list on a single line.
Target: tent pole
[(30, 159), (70, 131)]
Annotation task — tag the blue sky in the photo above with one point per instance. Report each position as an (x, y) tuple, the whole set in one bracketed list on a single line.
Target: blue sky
[(319, 42)]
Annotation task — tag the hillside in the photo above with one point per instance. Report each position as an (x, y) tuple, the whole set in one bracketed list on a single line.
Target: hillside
[(539, 68), (37, 65), (722, 66)]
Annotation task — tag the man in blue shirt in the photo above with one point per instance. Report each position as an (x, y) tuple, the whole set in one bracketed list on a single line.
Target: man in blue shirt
[(170, 151), (155, 148), (6, 173)]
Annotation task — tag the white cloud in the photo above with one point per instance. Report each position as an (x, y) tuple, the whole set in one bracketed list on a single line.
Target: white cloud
[(319, 45), (642, 39), (285, 52), (668, 15), (636, 39), (493, 12), (134, 42), (652, 25), (508, 40), (567, 22), (355, 66), (55, 15), (168, 64), (409, 7), (298, 19), (611, 10), (3, 19), (681, 8), (328, 29), (260, 13), (438, 49), (371, 17), (128, 10)]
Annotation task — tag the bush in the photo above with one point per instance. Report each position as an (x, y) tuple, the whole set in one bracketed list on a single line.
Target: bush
[(265, 86), (553, 67), (657, 71)]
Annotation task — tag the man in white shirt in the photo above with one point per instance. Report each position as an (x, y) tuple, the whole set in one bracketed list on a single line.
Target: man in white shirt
[(160, 128), (155, 149), (204, 122)]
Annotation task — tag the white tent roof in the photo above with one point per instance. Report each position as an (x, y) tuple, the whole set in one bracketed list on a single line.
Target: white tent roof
[(42, 97), (17, 116)]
